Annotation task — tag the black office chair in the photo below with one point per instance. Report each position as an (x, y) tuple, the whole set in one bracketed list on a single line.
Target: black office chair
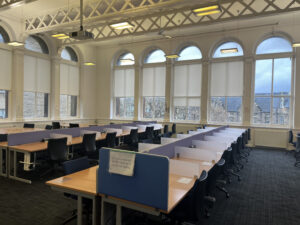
[(57, 154), (291, 138), (174, 128), (73, 166), (3, 137), (72, 125), (132, 140), (48, 127), (28, 125), (55, 125), (89, 147), (110, 140), (192, 208)]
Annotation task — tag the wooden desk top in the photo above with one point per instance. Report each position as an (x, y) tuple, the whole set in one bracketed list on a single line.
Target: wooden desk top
[(83, 181), (15, 130), (3, 144)]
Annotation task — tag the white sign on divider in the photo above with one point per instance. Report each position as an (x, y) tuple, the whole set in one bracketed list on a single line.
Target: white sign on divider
[(83, 132), (121, 163), (69, 137), (183, 168)]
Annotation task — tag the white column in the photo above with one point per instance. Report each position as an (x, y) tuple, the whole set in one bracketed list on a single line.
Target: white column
[(169, 68), (297, 90), (204, 91), (55, 89), (137, 73), (247, 102), (17, 87)]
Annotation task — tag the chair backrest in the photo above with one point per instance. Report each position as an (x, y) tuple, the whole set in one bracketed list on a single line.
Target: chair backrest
[(166, 128), (149, 132), (72, 125), (58, 149), (298, 143), (3, 138), (48, 127), (290, 136), (89, 142), (55, 125), (28, 125), (73, 166), (111, 139), (249, 134), (134, 137), (174, 128)]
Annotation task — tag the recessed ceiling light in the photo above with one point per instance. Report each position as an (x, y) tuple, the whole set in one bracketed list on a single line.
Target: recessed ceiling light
[(229, 50), (89, 64), (58, 35), (63, 37), (121, 26), (15, 43), (203, 11), (173, 56)]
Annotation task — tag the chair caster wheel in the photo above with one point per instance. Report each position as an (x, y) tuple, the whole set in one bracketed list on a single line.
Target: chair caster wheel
[(227, 195)]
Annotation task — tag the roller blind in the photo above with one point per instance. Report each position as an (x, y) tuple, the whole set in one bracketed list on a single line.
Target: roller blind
[(69, 80), (227, 79), (154, 80), (36, 74), (187, 80), (5, 71), (124, 82)]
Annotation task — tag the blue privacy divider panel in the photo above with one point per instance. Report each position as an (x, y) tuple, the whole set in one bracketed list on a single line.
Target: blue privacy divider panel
[(149, 184)]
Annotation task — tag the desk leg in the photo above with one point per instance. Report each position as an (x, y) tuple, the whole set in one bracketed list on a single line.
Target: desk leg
[(79, 210), (95, 215), (3, 163), (14, 166), (119, 215)]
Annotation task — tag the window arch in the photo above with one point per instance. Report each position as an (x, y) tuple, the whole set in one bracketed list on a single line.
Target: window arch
[(36, 44), (274, 45), (190, 53), (187, 80), (4, 38), (69, 54), (228, 49), (155, 56), (273, 82), (126, 59), (226, 84)]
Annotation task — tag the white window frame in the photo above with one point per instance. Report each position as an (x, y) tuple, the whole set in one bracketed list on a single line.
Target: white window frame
[(113, 99), (77, 64), (292, 98), (172, 97), (141, 97), (225, 59)]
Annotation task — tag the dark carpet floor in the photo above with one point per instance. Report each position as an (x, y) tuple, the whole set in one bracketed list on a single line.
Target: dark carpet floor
[(269, 194)]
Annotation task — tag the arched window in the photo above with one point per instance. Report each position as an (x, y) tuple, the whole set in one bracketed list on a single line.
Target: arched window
[(36, 44), (189, 53), (153, 85), (123, 87), (156, 56), (4, 38), (187, 85), (273, 82), (37, 79), (125, 59), (226, 84), (228, 49), (69, 54), (274, 45)]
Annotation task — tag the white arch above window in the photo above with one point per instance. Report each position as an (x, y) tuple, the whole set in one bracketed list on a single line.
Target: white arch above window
[(190, 53), (69, 54), (155, 56), (228, 49), (36, 44), (126, 59), (274, 45)]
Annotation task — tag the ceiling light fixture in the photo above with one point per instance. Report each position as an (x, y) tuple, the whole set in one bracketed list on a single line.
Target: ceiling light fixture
[(229, 50), (89, 64), (15, 43), (296, 45), (58, 35), (203, 11), (63, 37), (121, 26), (173, 56)]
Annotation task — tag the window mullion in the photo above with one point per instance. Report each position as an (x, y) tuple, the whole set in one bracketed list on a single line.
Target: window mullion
[(272, 94)]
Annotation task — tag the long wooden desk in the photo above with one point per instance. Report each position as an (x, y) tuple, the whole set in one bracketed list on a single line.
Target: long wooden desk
[(83, 185), (14, 130)]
